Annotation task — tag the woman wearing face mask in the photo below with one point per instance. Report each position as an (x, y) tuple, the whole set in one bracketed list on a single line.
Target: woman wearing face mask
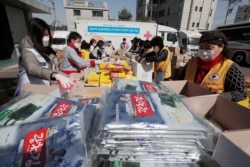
[(98, 52), (92, 44), (213, 70), (72, 61), (161, 58), (36, 61)]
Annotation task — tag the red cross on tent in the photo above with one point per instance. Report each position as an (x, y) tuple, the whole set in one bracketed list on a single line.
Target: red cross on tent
[(147, 35)]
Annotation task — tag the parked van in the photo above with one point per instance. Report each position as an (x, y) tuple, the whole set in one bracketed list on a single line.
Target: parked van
[(59, 41), (115, 31), (189, 42)]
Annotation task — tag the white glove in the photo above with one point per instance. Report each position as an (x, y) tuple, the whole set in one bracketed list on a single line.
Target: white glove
[(64, 82)]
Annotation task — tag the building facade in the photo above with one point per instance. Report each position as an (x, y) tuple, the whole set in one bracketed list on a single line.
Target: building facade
[(180, 14), (14, 14), (242, 14), (84, 10)]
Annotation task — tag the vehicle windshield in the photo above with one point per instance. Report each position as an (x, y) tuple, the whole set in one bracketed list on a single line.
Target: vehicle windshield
[(172, 37), (58, 41), (193, 41)]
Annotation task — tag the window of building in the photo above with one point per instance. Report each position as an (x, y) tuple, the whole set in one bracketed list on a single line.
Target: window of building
[(148, 14), (168, 11), (210, 12), (207, 26), (162, 13), (140, 3), (162, 1), (193, 23), (154, 1), (97, 13), (200, 9), (197, 24), (76, 12), (154, 14), (196, 8)]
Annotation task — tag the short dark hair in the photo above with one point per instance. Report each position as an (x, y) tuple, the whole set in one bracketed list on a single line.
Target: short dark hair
[(100, 43), (157, 41), (124, 39), (92, 41), (73, 35), (85, 45), (147, 44), (216, 37)]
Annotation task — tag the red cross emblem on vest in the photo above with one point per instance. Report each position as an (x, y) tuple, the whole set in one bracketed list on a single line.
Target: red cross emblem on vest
[(147, 35)]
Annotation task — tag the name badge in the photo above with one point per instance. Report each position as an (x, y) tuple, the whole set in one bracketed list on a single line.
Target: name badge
[(42, 64)]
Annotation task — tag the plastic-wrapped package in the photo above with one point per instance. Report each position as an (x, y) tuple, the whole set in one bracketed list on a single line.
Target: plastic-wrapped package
[(29, 107), (147, 111), (152, 126), (137, 85), (57, 141), (140, 161)]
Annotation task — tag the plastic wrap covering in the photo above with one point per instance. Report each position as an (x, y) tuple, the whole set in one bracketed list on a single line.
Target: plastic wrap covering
[(140, 126), (137, 85), (57, 141), (29, 107)]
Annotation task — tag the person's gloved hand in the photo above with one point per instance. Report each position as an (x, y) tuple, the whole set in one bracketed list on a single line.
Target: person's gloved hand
[(142, 61), (98, 61), (64, 82)]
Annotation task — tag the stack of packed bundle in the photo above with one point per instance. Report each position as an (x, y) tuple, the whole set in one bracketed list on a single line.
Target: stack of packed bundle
[(148, 128), (107, 72), (41, 130)]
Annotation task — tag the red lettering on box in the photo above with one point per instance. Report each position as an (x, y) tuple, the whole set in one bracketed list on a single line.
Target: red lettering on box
[(60, 109), (142, 106), (34, 148)]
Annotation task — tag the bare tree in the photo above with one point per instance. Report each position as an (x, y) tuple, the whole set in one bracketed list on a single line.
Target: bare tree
[(230, 6), (124, 14)]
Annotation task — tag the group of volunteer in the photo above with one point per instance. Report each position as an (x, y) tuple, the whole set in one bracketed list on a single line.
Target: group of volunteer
[(212, 68)]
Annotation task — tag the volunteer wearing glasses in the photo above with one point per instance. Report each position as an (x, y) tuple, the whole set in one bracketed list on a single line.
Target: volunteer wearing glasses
[(213, 69), (36, 59)]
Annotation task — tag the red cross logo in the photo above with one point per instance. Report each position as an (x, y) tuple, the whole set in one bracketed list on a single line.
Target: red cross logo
[(147, 35)]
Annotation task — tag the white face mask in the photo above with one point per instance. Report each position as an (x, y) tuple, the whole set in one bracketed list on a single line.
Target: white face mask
[(206, 54), (45, 41), (77, 45)]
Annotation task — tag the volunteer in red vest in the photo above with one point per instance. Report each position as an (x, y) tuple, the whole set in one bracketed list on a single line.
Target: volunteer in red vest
[(213, 69), (36, 59), (72, 57), (161, 58)]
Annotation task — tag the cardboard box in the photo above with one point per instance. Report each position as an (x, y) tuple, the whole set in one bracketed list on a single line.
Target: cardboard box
[(77, 91), (186, 88), (180, 60), (143, 72), (80, 91), (232, 148), (43, 89), (174, 50)]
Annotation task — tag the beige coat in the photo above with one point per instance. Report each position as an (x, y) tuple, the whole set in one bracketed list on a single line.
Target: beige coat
[(30, 63)]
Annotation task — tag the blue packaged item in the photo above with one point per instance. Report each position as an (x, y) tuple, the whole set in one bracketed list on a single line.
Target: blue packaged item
[(57, 141)]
